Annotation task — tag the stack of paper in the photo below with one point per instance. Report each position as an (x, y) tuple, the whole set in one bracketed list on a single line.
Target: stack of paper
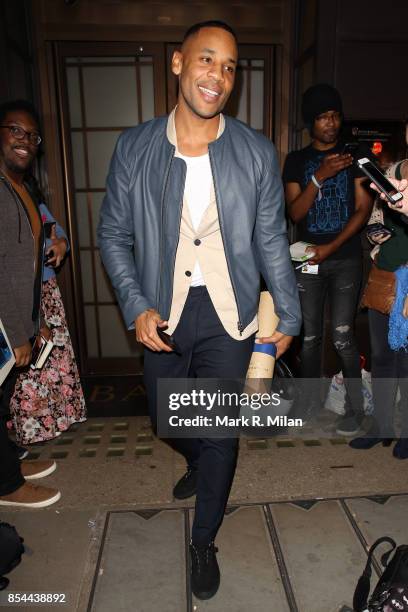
[(298, 251)]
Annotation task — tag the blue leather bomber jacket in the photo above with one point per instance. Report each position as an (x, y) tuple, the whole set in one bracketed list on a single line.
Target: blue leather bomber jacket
[(140, 217)]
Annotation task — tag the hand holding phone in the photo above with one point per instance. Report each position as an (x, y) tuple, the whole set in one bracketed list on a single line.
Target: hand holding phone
[(47, 257), (383, 184), (377, 233), (350, 148), (332, 164), (402, 187), (168, 340)]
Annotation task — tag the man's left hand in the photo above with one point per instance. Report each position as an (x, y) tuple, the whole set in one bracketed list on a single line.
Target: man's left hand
[(321, 252), (282, 342)]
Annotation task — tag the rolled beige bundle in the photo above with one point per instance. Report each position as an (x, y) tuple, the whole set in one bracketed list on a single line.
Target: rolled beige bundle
[(262, 362)]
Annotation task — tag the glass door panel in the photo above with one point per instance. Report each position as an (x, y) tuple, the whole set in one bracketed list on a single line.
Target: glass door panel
[(105, 89)]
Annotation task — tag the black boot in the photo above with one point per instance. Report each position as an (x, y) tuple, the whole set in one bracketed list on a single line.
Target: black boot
[(400, 450), (366, 442), (187, 485), (205, 573)]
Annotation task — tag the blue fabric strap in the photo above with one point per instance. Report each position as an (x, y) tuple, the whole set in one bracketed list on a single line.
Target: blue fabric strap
[(267, 348)]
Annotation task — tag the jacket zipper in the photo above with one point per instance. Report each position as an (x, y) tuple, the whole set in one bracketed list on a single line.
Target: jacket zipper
[(240, 325), (162, 228), (20, 204), (178, 240)]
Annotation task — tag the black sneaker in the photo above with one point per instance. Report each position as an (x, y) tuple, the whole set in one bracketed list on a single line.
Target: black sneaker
[(349, 424), (187, 485), (205, 573)]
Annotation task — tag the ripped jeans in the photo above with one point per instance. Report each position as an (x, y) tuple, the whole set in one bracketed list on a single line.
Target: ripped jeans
[(340, 281)]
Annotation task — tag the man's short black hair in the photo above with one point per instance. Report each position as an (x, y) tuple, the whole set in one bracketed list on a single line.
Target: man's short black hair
[(212, 23), (18, 105)]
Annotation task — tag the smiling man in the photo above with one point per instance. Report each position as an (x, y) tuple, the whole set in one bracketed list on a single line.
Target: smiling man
[(21, 258), (193, 213)]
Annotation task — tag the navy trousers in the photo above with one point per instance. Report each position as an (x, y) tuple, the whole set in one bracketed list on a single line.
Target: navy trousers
[(207, 352)]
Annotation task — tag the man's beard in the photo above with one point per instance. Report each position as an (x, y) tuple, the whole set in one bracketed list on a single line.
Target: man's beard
[(12, 167)]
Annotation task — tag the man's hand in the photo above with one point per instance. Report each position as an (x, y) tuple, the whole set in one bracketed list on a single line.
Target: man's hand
[(400, 186), (146, 333), (332, 165), (22, 354), (282, 342), (321, 252)]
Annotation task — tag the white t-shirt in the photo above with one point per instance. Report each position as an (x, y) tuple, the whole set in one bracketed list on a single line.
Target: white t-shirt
[(197, 192)]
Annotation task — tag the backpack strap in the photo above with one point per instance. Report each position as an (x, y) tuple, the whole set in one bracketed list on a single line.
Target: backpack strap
[(363, 585)]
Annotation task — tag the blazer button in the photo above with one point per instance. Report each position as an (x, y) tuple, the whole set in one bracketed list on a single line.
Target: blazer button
[(197, 242), (187, 273)]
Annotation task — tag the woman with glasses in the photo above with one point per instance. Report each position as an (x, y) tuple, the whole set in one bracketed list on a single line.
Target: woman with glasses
[(47, 402)]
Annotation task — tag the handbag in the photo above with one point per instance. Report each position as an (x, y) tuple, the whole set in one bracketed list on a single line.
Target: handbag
[(379, 292), (391, 592)]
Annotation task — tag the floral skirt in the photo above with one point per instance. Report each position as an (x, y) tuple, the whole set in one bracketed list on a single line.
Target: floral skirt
[(48, 401)]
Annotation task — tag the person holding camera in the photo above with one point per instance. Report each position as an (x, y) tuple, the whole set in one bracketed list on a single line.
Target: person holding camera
[(388, 321)]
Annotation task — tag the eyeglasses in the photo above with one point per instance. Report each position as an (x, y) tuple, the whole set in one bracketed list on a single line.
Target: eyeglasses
[(19, 134)]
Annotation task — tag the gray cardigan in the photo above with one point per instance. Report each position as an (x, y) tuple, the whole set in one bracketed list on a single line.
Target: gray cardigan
[(20, 287)]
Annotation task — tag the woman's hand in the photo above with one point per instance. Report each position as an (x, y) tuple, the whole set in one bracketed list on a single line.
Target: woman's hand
[(401, 186), (57, 250)]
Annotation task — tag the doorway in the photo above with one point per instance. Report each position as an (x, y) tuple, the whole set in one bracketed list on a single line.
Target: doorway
[(103, 90)]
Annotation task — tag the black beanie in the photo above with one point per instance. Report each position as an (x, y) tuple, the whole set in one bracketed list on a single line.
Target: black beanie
[(319, 99)]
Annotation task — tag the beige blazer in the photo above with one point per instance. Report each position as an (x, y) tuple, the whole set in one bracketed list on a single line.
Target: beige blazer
[(206, 246)]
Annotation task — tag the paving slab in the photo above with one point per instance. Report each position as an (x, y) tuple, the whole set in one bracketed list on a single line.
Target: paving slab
[(330, 469), (115, 467), (323, 555), (58, 543), (250, 578), (142, 567), (115, 462), (383, 516)]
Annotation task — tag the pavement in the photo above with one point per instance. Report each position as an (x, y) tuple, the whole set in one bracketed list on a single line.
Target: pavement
[(301, 516)]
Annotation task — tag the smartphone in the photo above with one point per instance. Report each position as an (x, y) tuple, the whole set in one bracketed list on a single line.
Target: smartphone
[(350, 148), (377, 233), (383, 184), (168, 340), (38, 347)]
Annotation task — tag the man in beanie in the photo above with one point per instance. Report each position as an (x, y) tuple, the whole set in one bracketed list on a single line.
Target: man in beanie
[(329, 204)]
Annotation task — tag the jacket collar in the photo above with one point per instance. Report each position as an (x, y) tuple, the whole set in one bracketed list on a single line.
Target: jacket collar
[(172, 134)]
